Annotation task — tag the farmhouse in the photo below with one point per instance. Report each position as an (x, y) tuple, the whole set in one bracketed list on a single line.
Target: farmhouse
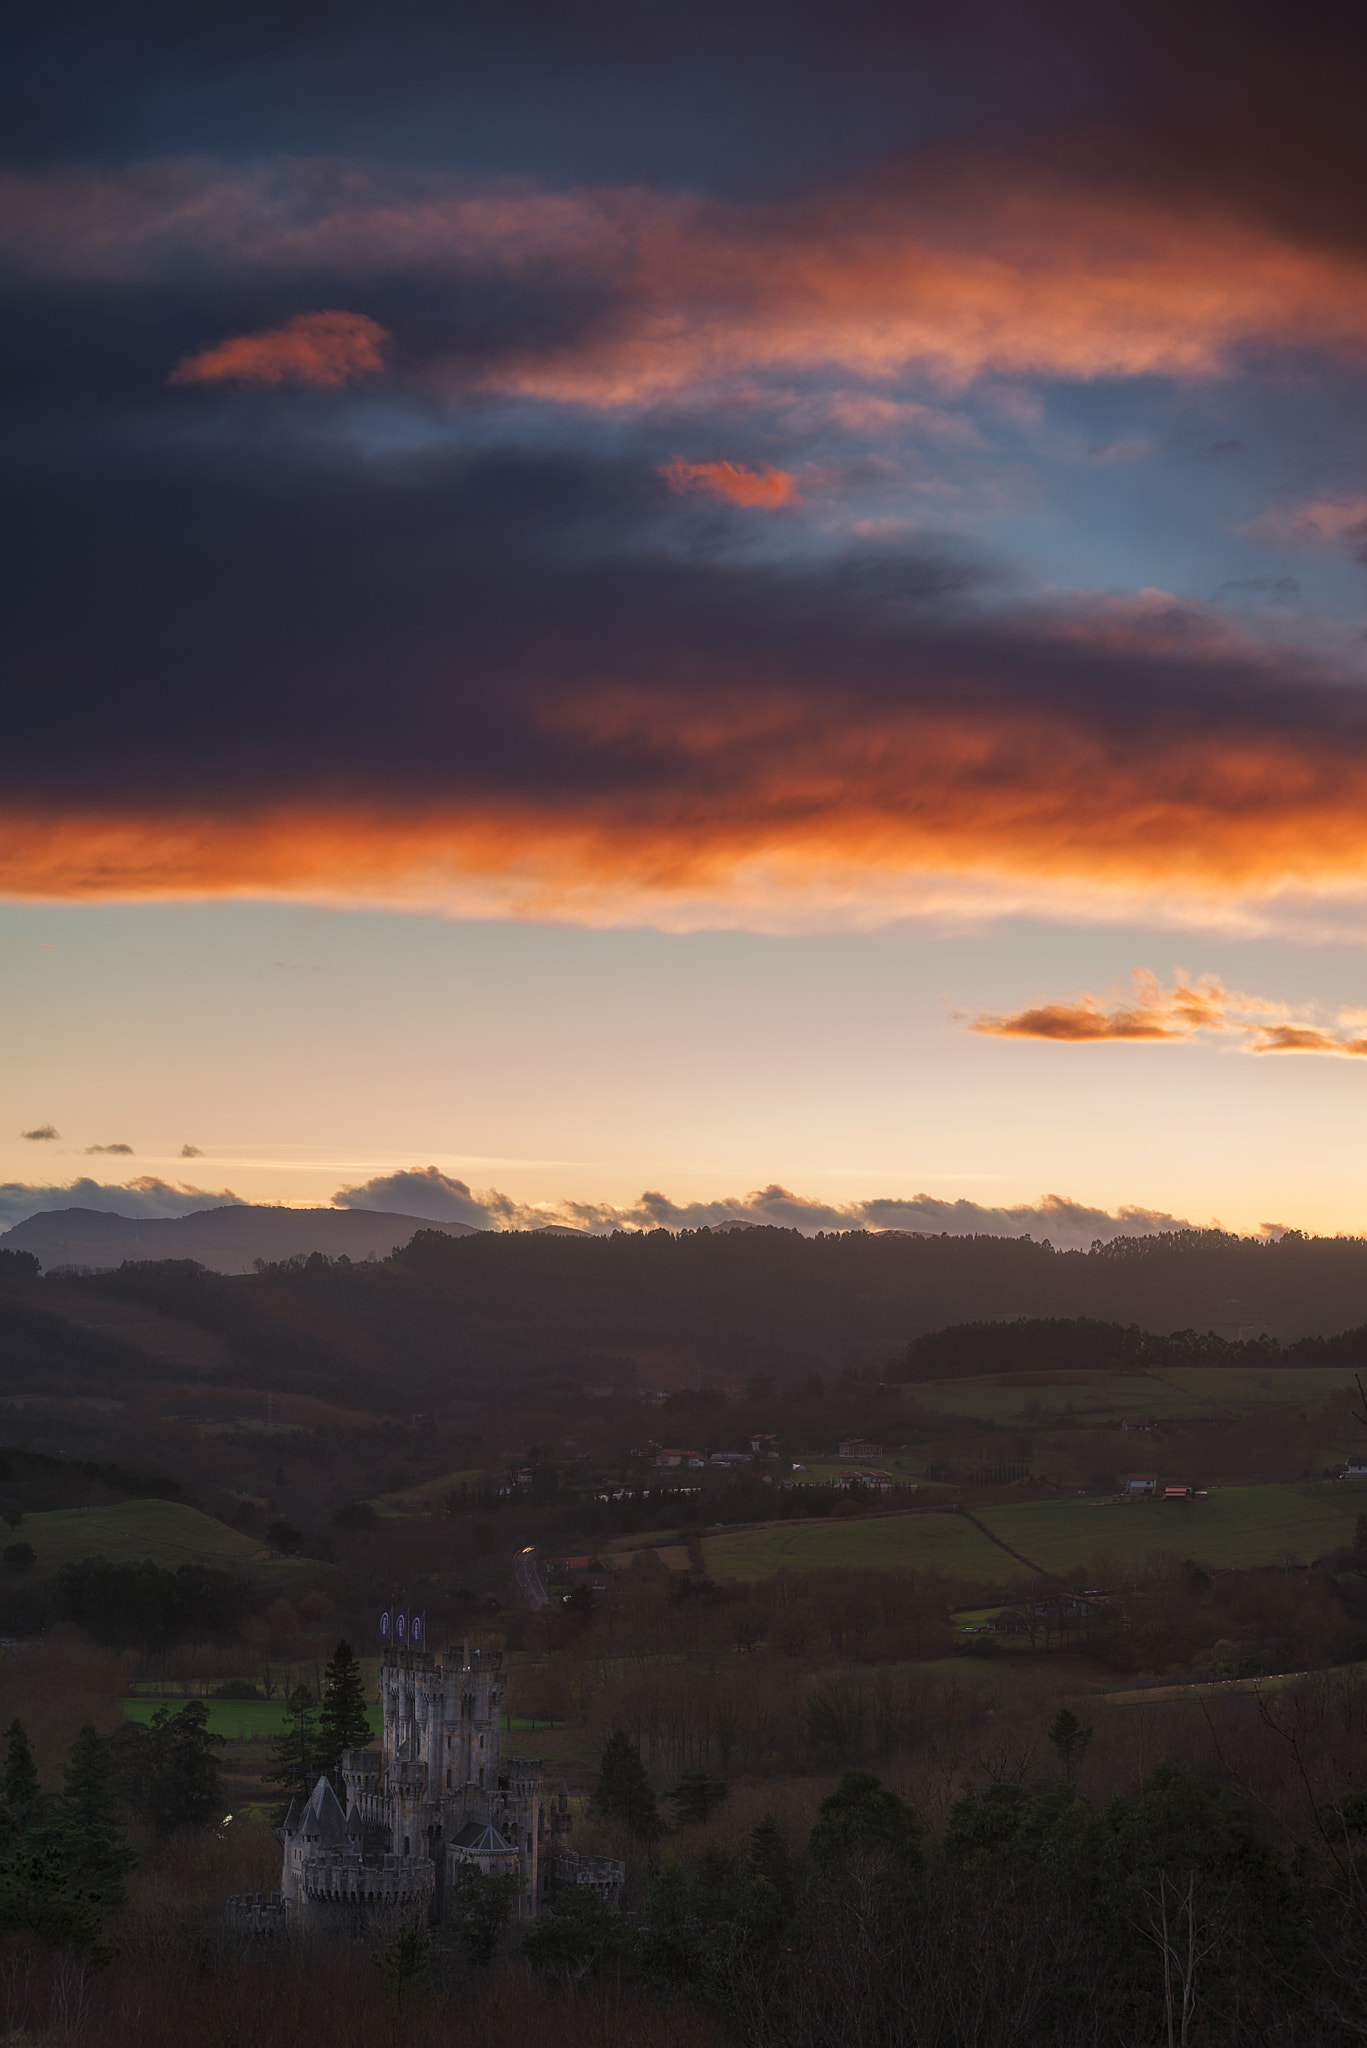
[(1355, 1467), (860, 1447), (1140, 1483)]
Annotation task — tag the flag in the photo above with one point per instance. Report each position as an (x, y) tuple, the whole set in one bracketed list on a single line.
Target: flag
[(387, 1625), (401, 1626), (417, 1629)]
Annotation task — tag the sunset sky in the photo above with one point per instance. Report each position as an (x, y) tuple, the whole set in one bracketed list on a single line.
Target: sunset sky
[(638, 614)]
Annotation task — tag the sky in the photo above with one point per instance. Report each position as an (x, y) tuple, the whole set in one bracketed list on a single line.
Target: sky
[(630, 615)]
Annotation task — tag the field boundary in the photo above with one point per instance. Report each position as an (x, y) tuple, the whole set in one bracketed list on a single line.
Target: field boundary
[(1000, 1542)]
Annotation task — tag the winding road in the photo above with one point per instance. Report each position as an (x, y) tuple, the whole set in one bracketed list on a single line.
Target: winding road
[(528, 1573)]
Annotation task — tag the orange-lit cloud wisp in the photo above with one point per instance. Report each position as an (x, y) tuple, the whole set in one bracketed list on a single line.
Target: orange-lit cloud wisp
[(732, 483), (325, 350), (1186, 1010)]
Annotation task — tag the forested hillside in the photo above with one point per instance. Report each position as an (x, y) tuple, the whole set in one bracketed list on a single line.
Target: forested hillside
[(458, 1316)]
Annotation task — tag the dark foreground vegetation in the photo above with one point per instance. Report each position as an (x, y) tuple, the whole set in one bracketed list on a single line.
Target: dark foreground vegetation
[(879, 1777)]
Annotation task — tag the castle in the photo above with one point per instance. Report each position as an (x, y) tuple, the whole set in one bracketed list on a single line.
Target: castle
[(435, 1795)]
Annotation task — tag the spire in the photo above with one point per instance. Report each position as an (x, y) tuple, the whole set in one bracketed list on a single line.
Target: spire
[(323, 1815)]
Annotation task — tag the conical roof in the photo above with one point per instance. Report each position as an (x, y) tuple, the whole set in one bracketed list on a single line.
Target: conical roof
[(484, 1838), (323, 1815)]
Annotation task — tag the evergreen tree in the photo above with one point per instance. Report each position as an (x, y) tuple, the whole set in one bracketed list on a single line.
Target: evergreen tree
[(863, 1818), (696, 1797), (294, 1754), (19, 1787), (1070, 1740), (96, 1854), (169, 1771), (624, 1792), (479, 1908), (343, 1722), (406, 1965), (580, 1936)]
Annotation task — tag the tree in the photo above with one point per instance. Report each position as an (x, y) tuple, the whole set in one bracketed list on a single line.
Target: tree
[(624, 1792), (479, 1908), (169, 1771), (1360, 1544), (579, 1937), (294, 1754), (770, 1862), (863, 1818), (1070, 1740), (20, 1555), (696, 1797), (343, 1722), (283, 1536), (97, 1856), (357, 1517), (406, 1965), (19, 1787)]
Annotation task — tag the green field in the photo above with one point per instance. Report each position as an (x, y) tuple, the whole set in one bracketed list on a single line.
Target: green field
[(165, 1531), (929, 1543), (1176, 1391), (238, 1720), (1237, 1525)]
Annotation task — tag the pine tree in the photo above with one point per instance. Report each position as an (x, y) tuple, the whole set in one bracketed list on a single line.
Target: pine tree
[(1070, 1740), (96, 1854), (19, 1786), (343, 1723), (624, 1792), (294, 1754)]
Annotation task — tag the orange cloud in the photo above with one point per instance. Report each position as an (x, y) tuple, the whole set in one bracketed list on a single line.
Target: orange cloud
[(1304, 1038), (1181, 1012), (1150, 1012), (955, 271), (732, 483), (325, 350), (722, 791)]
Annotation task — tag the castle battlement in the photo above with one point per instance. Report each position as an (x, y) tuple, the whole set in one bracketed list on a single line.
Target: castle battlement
[(346, 1878)]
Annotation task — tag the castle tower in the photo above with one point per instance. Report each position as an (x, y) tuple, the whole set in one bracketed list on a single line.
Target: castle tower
[(435, 1793)]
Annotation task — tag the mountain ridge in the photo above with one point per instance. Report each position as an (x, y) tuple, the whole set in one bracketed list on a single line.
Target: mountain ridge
[(227, 1239)]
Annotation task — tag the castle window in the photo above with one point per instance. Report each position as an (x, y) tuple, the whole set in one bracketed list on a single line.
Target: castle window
[(448, 1781)]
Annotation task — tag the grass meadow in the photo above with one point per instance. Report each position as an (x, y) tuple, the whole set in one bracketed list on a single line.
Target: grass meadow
[(915, 1542), (165, 1531), (1235, 1526), (1171, 1391)]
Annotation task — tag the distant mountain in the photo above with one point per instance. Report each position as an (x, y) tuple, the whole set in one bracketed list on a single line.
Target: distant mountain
[(227, 1240)]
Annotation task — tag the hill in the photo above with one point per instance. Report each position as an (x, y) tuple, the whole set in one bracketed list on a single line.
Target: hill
[(477, 1315), (164, 1531), (226, 1240)]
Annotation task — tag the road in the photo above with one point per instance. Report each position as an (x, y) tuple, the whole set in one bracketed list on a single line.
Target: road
[(529, 1579)]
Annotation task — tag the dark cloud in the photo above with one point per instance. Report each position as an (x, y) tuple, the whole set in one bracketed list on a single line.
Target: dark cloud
[(190, 1152), (424, 1191), (127, 1150), (41, 1134), (279, 638), (427, 1192), (145, 1196)]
